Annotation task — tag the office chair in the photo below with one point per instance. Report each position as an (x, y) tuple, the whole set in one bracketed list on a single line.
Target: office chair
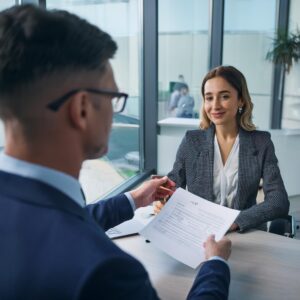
[(283, 226)]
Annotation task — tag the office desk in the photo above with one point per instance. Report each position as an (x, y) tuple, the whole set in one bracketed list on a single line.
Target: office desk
[(263, 266)]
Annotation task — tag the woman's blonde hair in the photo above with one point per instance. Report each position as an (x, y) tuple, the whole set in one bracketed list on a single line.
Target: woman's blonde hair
[(237, 80)]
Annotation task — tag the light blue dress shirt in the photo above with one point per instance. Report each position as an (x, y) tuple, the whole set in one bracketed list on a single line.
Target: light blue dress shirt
[(65, 183)]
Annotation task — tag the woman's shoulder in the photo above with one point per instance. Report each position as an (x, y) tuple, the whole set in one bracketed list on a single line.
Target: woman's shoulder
[(196, 133), (196, 139), (260, 138), (260, 134)]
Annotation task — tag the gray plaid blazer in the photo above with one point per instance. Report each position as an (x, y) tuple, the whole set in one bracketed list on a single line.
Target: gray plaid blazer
[(193, 169)]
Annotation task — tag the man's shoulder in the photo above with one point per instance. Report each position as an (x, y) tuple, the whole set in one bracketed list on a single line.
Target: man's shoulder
[(68, 247), (53, 213)]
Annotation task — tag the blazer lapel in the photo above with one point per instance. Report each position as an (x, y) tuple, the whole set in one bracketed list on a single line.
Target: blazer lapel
[(200, 165), (247, 161), (210, 148)]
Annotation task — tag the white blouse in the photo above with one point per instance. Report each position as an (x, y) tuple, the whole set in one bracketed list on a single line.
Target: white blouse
[(226, 176)]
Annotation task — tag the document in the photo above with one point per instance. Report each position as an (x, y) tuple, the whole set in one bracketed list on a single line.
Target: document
[(184, 224), (142, 216), (130, 227)]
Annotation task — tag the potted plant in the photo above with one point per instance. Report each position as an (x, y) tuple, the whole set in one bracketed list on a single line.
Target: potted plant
[(286, 50)]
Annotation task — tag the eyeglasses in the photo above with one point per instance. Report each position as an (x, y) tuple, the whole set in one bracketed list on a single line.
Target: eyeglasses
[(118, 99)]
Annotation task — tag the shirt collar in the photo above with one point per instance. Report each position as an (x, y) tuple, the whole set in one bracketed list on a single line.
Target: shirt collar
[(59, 180)]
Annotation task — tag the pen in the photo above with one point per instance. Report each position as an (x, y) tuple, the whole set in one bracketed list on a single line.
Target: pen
[(164, 188)]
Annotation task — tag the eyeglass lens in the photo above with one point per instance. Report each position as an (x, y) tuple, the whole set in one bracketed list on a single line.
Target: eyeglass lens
[(118, 104)]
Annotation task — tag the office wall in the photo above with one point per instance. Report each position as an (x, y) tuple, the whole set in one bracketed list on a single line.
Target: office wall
[(249, 58)]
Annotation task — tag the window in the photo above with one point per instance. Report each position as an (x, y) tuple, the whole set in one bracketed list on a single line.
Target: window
[(291, 104), (182, 55), (121, 19), (249, 26), (7, 3)]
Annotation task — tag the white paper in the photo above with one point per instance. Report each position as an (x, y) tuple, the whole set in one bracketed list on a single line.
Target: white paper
[(142, 217), (184, 224)]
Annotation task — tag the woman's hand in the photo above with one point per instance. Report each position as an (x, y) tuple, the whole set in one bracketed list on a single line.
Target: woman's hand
[(160, 198), (234, 227), (157, 206)]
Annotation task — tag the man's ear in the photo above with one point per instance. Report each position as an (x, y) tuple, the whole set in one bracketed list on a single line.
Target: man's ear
[(78, 110)]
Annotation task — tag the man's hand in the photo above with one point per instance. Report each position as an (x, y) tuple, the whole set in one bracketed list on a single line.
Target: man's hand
[(151, 190), (221, 248)]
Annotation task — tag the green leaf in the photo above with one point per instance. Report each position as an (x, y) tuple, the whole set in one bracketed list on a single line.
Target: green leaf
[(286, 49)]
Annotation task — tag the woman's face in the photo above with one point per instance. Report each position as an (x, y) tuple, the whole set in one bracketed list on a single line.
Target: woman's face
[(221, 102)]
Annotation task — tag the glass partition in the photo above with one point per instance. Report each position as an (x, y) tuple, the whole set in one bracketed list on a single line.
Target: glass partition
[(122, 20), (249, 27), (183, 56), (7, 3)]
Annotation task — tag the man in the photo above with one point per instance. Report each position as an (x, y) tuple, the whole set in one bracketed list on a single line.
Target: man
[(176, 93), (185, 105), (56, 93)]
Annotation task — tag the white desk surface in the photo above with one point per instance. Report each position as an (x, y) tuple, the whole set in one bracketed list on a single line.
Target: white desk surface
[(263, 266)]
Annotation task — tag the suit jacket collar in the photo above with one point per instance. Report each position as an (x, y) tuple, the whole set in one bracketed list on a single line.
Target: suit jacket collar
[(57, 179), (210, 134), (35, 192), (246, 142)]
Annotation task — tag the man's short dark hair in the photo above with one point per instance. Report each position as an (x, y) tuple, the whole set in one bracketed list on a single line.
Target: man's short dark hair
[(36, 43)]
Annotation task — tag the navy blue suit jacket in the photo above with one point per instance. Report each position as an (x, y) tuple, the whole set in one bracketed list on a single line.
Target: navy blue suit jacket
[(51, 248)]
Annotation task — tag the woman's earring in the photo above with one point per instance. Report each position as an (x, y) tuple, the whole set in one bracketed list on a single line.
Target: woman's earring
[(240, 110)]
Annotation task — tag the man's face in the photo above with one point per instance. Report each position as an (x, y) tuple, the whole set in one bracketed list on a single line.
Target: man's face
[(183, 91), (100, 124)]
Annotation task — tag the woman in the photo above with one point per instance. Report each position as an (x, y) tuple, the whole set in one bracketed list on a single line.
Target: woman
[(225, 160)]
